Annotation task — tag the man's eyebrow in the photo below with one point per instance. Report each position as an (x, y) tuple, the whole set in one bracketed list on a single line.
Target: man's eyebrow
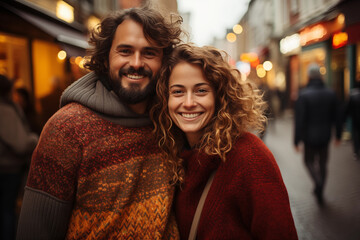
[(158, 49), (123, 46)]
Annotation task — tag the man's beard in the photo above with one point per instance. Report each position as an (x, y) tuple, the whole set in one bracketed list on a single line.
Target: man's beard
[(133, 94)]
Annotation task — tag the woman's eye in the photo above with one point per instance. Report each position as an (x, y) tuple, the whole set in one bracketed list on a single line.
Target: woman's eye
[(176, 92), (202, 91)]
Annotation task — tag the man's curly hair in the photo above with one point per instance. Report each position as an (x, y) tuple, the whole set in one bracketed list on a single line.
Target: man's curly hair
[(239, 106), (164, 33)]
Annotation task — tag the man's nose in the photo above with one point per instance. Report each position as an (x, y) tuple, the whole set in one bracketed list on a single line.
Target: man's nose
[(136, 61)]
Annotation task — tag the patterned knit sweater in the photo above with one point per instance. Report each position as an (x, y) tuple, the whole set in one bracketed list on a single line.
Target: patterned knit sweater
[(92, 178), (247, 199)]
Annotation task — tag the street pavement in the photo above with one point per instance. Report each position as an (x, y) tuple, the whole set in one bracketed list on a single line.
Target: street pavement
[(339, 218)]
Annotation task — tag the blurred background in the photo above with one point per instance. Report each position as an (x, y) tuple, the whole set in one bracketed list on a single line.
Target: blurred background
[(43, 44)]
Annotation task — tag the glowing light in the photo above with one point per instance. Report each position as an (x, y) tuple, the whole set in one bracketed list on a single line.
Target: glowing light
[(231, 37), (322, 70), (314, 33), (78, 60), (244, 67), (65, 11), (237, 29), (290, 43), (267, 65), (340, 40), (341, 19), (251, 58), (260, 71), (61, 55)]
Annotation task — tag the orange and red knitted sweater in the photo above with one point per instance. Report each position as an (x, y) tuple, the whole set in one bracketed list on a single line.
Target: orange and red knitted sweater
[(101, 179)]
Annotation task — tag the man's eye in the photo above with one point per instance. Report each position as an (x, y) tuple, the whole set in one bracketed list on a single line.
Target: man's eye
[(124, 51), (150, 54)]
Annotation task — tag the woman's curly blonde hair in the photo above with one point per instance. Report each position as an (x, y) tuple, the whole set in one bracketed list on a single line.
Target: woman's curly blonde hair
[(239, 106)]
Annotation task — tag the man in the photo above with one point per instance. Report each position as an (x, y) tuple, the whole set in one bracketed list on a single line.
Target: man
[(352, 110), (315, 115), (97, 172)]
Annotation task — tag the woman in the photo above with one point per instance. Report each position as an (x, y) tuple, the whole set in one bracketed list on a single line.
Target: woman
[(204, 114)]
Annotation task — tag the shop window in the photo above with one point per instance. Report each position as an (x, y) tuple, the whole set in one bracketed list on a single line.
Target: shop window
[(50, 77), (14, 60)]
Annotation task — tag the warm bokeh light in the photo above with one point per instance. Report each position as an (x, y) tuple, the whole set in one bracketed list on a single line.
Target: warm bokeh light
[(322, 70), (78, 60), (260, 71), (267, 65), (339, 39), (231, 37), (61, 55), (341, 19), (65, 11), (237, 29)]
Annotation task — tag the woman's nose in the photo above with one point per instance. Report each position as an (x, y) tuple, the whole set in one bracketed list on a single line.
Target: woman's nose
[(189, 100)]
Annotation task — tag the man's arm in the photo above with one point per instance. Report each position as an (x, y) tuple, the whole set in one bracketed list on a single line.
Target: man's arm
[(43, 216), (52, 180)]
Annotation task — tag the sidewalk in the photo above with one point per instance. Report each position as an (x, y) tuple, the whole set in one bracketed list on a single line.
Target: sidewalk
[(339, 218)]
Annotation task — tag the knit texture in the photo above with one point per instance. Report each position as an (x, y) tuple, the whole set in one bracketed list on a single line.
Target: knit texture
[(114, 176), (247, 199)]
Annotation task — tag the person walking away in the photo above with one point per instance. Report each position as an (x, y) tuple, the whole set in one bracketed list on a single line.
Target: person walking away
[(316, 114), (16, 142), (352, 110), (97, 172), (203, 116)]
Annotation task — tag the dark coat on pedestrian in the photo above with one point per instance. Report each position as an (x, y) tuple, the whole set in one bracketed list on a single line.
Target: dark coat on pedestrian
[(316, 112)]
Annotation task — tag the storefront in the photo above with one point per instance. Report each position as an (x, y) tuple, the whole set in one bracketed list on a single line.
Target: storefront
[(41, 54)]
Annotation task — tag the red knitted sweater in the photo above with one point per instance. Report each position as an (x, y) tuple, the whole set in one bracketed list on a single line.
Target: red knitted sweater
[(247, 199)]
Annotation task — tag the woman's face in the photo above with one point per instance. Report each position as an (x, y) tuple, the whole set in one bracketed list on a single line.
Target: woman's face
[(191, 100)]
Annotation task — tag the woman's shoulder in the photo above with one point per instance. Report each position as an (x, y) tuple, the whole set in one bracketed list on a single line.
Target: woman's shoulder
[(250, 147)]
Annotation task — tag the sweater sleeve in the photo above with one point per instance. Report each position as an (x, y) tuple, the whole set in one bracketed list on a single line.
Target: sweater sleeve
[(52, 180), (43, 216)]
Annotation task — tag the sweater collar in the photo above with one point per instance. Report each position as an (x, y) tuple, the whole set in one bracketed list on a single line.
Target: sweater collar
[(90, 92)]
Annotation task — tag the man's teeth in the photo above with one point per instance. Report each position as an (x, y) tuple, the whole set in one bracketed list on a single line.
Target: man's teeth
[(134, 76), (190, 115)]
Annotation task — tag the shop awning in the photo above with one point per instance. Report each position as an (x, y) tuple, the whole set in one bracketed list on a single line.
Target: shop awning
[(61, 33)]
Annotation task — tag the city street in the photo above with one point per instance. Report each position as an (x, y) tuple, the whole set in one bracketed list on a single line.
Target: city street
[(339, 218)]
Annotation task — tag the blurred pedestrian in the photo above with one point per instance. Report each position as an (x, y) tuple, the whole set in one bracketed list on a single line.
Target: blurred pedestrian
[(97, 172), (16, 142), (352, 110), (316, 114), (21, 96), (205, 113)]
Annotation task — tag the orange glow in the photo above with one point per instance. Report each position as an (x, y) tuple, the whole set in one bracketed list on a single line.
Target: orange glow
[(314, 33), (251, 58), (339, 40)]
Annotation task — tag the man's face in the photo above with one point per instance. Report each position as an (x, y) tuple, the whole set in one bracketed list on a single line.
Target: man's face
[(133, 63)]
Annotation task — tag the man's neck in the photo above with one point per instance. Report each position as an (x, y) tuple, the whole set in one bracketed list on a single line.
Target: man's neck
[(138, 108)]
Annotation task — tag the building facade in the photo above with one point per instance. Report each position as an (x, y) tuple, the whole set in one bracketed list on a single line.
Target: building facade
[(43, 43), (291, 34)]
